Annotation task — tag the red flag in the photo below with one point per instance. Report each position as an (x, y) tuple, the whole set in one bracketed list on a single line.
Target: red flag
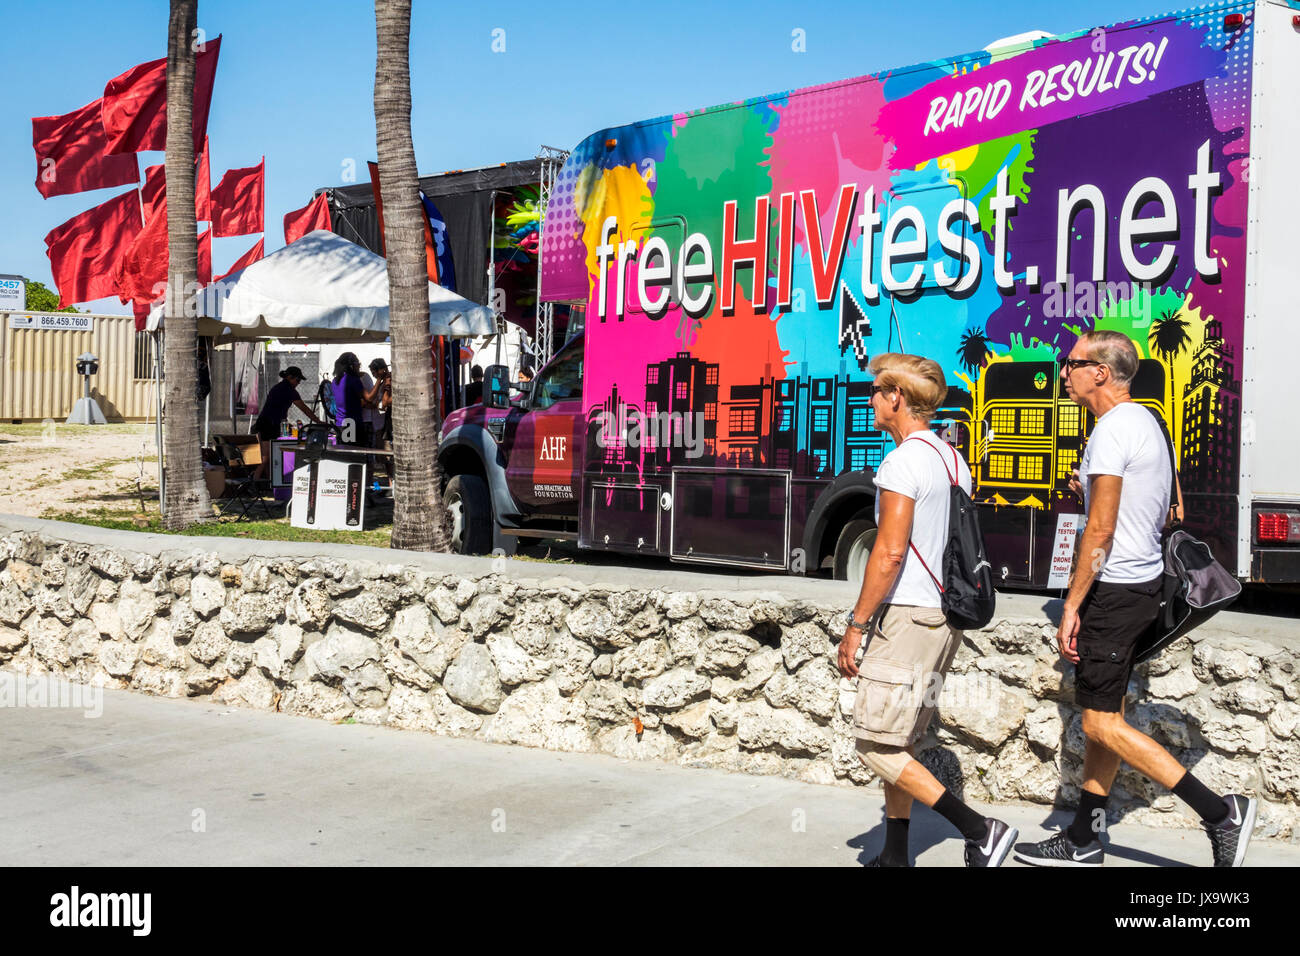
[(237, 201), (246, 260), (72, 154), (141, 272), (154, 191), (153, 194), (205, 256), (314, 215), (379, 205), (203, 187), (85, 250), (141, 310), (135, 104)]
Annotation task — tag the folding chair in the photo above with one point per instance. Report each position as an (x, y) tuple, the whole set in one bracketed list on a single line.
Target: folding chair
[(244, 492)]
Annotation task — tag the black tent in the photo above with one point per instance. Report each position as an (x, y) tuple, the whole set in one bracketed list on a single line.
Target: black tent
[(465, 199)]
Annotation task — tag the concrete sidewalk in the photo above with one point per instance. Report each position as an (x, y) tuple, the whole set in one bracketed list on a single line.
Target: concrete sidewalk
[(166, 782)]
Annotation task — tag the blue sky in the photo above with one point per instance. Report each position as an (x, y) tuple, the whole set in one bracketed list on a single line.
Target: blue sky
[(295, 80)]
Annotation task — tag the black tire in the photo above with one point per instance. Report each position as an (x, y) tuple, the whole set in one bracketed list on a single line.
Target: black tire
[(857, 537), (467, 498)]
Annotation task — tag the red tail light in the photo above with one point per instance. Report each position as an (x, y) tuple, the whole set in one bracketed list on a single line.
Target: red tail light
[(1233, 20), (1277, 526)]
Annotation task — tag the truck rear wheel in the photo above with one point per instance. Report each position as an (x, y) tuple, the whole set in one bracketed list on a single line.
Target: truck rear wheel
[(469, 513), (852, 549)]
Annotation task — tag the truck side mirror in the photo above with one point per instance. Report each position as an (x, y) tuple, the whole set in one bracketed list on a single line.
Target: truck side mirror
[(496, 387)]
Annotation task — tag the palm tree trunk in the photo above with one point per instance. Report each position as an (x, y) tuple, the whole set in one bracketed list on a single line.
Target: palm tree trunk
[(419, 519), (187, 494)]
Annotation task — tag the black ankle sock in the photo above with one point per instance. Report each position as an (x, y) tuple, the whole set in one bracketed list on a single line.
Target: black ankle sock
[(895, 851), (970, 823), (1207, 804), (1084, 828)]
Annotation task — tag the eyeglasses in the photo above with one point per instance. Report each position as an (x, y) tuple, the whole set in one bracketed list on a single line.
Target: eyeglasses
[(1072, 364), (873, 389)]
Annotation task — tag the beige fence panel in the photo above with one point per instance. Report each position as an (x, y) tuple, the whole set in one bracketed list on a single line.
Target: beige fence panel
[(38, 371)]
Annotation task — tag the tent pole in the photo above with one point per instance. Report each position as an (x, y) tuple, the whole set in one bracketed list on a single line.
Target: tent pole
[(492, 269), (158, 426), (207, 399)]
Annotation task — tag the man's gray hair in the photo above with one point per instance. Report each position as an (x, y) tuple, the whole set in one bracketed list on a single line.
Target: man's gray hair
[(1116, 351)]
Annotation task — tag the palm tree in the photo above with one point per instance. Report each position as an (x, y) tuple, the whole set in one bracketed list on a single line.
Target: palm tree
[(973, 350), (186, 498), (419, 519), (1169, 339)]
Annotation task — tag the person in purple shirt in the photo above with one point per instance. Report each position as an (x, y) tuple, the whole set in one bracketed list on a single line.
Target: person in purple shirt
[(349, 393)]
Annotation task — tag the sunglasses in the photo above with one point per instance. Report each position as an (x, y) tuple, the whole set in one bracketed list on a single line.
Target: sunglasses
[(1079, 363), (873, 389)]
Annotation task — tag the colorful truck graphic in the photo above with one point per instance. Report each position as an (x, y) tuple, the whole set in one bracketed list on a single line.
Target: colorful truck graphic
[(740, 265)]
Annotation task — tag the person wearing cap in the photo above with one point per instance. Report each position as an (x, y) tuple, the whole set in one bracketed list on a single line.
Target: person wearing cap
[(282, 396)]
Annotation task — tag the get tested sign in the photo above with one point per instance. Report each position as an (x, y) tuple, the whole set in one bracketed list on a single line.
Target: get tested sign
[(13, 294)]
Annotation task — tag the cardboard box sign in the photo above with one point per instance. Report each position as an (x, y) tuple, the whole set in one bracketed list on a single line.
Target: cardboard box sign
[(250, 447)]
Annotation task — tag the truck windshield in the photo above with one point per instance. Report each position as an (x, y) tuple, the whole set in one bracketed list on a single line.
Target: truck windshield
[(560, 382)]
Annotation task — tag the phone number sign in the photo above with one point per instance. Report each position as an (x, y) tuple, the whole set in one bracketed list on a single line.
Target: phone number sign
[(13, 293), (52, 321)]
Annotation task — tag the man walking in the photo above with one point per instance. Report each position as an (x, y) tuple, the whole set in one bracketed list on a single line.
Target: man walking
[(1114, 597), (910, 646)]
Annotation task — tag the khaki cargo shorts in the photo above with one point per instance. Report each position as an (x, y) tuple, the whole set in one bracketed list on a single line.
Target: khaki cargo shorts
[(902, 672)]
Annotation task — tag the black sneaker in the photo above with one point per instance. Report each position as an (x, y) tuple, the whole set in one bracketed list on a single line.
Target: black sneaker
[(1231, 837), (875, 862), (995, 846), (1060, 850)]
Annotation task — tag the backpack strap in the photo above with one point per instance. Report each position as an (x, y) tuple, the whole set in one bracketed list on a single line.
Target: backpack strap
[(1173, 465), (926, 566), (952, 478)]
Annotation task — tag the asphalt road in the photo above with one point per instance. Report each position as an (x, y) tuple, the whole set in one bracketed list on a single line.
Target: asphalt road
[(159, 782)]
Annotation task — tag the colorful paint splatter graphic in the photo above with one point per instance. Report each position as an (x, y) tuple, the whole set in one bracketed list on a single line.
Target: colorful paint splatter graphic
[(742, 264)]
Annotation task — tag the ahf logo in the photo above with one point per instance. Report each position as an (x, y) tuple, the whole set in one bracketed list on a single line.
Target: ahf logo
[(554, 448)]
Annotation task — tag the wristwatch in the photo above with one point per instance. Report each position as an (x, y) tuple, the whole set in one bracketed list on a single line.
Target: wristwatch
[(851, 621)]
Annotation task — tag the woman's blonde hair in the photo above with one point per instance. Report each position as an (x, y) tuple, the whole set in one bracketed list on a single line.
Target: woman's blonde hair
[(919, 379)]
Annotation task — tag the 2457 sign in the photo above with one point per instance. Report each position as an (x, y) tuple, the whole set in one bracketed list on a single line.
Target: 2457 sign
[(13, 294)]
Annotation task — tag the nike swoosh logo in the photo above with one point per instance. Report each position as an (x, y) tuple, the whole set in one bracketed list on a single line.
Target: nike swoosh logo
[(1234, 814), (1084, 856), (987, 848)]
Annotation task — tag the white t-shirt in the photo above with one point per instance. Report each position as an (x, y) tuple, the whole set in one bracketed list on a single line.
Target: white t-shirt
[(924, 477), (1128, 442)]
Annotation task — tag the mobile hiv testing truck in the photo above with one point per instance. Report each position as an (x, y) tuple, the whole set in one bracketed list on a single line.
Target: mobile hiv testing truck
[(738, 267)]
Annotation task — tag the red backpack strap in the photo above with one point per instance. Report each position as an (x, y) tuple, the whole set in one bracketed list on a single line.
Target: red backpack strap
[(926, 566), (956, 471)]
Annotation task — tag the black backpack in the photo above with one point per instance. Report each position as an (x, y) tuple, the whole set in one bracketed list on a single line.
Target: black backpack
[(1194, 587), (966, 592)]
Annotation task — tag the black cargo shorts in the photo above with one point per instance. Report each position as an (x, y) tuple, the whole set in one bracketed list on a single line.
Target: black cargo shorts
[(1112, 618)]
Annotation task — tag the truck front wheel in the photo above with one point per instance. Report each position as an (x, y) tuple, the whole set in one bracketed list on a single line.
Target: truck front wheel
[(469, 514), (852, 549)]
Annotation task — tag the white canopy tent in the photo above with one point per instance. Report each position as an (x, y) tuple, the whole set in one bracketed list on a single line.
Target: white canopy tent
[(320, 288)]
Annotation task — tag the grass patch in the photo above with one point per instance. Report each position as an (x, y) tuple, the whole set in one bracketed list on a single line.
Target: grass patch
[(273, 529), (60, 430), (98, 470)]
